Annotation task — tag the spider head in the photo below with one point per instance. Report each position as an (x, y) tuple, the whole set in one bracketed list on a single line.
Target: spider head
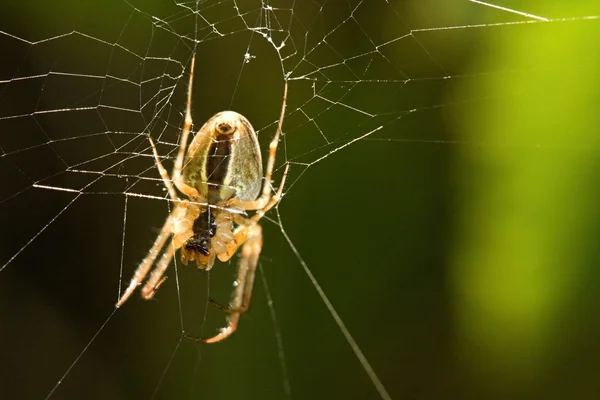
[(204, 229)]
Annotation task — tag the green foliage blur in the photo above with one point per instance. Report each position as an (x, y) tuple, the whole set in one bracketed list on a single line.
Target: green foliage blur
[(525, 264)]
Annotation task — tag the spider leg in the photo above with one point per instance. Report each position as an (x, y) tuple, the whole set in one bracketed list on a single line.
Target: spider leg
[(275, 199), (156, 276), (184, 188), (245, 283), (163, 172), (273, 148), (223, 308), (146, 264)]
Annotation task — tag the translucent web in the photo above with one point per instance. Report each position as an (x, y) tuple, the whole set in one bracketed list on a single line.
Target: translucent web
[(83, 85)]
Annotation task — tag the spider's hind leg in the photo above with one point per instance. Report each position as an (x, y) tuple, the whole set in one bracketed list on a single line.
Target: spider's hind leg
[(244, 283)]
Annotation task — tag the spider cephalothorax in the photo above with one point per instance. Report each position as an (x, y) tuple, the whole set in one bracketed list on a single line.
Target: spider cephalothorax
[(221, 176)]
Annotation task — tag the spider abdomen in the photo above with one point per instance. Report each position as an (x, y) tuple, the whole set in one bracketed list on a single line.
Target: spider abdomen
[(223, 160)]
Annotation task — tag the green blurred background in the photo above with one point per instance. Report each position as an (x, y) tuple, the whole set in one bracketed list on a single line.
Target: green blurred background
[(457, 243)]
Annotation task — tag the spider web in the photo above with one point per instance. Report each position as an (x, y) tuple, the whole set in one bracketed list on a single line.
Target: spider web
[(375, 88)]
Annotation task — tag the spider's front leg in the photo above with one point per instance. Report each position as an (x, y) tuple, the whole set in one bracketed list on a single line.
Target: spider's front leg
[(146, 264), (250, 238)]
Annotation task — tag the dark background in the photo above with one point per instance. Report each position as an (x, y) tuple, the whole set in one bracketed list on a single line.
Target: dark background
[(457, 243)]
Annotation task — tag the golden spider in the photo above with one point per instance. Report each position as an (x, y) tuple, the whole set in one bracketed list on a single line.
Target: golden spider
[(221, 177)]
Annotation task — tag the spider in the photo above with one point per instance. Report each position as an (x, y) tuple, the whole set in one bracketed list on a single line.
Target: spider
[(221, 177)]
